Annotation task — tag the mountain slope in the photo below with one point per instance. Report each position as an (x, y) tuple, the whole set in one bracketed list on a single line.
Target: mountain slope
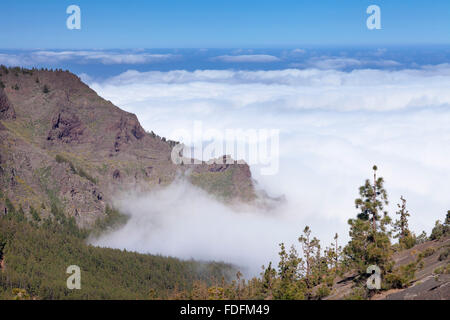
[(35, 258), (62, 145), (431, 279)]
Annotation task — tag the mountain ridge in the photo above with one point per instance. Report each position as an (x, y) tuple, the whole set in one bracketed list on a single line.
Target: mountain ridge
[(63, 145)]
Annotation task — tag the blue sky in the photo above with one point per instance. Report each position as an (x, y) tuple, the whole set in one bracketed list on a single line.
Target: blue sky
[(30, 24)]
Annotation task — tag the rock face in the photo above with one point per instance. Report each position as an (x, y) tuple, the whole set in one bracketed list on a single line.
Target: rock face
[(61, 144), (66, 127), (427, 284)]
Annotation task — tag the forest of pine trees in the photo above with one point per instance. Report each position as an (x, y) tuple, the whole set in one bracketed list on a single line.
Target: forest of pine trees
[(35, 252)]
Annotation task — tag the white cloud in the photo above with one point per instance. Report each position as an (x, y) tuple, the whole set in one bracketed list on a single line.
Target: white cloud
[(299, 51), (334, 126), (14, 60), (345, 62), (248, 58), (183, 221), (103, 57), (291, 89)]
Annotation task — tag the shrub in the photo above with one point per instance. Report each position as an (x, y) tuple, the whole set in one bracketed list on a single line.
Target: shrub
[(428, 252), (444, 255), (422, 238), (443, 270), (20, 294), (441, 229), (402, 277), (408, 241), (35, 214), (9, 206), (322, 292)]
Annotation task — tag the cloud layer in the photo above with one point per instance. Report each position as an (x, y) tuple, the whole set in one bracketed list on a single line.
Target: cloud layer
[(87, 56), (290, 89), (248, 58), (183, 221), (334, 126)]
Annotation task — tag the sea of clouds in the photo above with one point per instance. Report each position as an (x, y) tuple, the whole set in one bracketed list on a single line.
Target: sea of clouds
[(334, 126)]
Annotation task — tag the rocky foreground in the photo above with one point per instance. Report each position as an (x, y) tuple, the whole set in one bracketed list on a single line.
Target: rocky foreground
[(430, 282)]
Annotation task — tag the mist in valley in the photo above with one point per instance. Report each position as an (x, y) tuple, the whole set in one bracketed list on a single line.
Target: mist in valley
[(334, 126)]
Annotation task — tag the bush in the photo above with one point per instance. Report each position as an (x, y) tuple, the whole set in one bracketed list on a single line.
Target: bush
[(408, 242), (402, 277), (322, 292), (9, 206), (35, 214), (422, 238), (441, 230), (444, 255), (443, 270), (428, 252)]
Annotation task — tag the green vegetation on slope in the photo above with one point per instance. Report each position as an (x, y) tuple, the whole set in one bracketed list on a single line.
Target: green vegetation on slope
[(35, 258), (34, 254), (314, 273), (76, 170), (219, 184)]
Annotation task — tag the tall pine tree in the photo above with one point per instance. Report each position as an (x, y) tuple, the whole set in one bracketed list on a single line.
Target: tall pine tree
[(370, 242)]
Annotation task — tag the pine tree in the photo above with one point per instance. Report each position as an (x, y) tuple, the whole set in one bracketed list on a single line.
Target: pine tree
[(289, 288), (315, 265), (370, 242), (268, 280), (405, 237), (373, 198), (401, 225), (308, 246), (333, 254)]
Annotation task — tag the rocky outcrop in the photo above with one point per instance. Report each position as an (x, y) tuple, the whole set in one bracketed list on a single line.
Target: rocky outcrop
[(66, 127), (127, 131)]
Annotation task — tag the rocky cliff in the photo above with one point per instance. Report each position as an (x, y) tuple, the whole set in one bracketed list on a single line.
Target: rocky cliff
[(63, 145)]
